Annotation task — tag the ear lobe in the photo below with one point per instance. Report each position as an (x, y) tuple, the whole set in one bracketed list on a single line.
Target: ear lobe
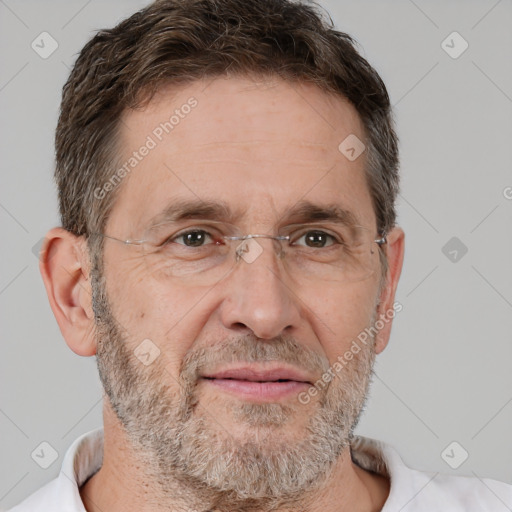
[(64, 266), (395, 247)]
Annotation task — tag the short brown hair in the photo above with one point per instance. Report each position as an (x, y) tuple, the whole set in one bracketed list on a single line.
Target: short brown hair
[(180, 41)]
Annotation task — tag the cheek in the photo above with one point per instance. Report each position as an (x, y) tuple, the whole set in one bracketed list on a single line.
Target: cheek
[(155, 310), (342, 317)]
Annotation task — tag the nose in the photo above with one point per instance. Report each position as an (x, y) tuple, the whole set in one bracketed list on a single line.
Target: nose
[(258, 295)]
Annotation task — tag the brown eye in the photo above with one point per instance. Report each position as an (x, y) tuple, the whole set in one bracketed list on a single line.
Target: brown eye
[(316, 239), (192, 238)]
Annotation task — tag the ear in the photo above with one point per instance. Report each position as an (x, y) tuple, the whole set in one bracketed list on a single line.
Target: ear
[(64, 266), (394, 248)]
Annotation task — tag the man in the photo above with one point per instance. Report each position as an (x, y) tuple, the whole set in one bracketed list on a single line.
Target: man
[(227, 174)]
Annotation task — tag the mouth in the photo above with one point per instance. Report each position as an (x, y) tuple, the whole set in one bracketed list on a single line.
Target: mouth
[(250, 380), (259, 384)]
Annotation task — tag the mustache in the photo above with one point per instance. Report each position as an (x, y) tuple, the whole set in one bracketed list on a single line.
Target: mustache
[(251, 349)]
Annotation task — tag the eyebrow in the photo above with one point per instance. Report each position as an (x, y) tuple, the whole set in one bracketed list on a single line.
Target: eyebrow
[(303, 211)]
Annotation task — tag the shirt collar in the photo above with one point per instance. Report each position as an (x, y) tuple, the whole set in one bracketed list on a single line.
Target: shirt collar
[(83, 458)]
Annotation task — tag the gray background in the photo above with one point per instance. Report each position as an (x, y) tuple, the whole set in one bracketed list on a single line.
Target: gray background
[(445, 375)]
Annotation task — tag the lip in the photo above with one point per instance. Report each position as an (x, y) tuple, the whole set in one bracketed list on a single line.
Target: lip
[(258, 374), (253, 383)]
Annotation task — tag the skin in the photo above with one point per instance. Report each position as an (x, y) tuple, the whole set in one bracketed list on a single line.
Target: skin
[(236, 145)]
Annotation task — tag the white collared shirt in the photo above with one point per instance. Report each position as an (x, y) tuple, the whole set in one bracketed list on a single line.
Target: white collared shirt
[(411, 490)]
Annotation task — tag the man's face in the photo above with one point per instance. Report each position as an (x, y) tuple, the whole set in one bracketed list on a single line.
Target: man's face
[(260, 149)]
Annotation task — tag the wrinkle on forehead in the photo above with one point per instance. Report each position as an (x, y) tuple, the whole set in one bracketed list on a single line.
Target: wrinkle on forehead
[(273, 141), (297, 152)]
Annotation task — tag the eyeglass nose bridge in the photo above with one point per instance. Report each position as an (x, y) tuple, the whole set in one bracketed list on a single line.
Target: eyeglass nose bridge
[(243, 247)]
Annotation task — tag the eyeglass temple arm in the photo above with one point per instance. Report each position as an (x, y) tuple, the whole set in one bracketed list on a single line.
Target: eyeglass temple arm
[(382, 240), (128, 241)]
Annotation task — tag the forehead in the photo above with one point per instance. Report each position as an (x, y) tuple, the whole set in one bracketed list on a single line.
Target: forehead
[(259, 147)]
